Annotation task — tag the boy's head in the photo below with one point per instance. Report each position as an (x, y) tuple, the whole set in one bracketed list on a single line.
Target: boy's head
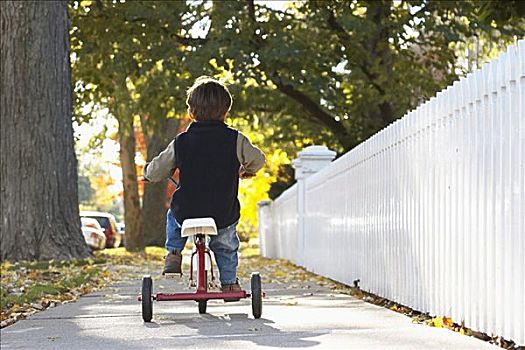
[(208, 99)]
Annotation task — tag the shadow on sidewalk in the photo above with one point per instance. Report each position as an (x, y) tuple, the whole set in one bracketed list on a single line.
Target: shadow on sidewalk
[(239, 327)]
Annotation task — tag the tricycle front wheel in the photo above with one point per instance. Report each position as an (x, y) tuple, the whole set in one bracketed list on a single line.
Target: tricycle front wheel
[(202, 306), (204, 303)]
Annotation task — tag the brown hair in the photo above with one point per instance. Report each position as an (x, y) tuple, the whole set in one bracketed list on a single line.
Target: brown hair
[(208, 99)]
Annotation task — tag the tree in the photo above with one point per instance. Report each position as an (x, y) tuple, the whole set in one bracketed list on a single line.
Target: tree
[(85, 191), (129, 59), (155, 197), (328, 72), (39, 206), (352, 67)]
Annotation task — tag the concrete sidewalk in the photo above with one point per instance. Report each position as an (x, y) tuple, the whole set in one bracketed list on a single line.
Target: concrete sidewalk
[(300, 315)]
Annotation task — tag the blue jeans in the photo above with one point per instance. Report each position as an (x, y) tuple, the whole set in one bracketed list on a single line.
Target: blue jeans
[(224, 246)]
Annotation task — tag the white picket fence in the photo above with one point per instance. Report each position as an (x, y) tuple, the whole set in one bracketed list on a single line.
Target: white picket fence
[(429, 212)]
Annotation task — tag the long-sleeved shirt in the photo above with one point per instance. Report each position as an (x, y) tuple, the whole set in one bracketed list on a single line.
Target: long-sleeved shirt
[(251, 158), (210, 157)]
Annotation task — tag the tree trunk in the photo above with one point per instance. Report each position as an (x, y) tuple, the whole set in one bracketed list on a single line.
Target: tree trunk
[(126, 134), (155, 200), (38, 167), (378, 48)]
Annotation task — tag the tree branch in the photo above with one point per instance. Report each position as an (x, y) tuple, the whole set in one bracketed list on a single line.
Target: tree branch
[(315, 111), (188, 41), (345, 37), (313, 108), (251, 11), (375, 14), (184, 40)]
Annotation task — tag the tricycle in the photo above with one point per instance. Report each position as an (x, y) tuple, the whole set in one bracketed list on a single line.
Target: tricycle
[(200, 229)]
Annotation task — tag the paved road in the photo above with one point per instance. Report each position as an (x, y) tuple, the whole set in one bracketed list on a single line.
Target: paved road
[(300, 316)]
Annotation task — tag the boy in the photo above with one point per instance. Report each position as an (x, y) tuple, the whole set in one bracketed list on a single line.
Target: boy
[(211, 157)]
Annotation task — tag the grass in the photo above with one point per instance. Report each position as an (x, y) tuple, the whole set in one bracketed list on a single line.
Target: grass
[(28, 286), (150, 253), (45, 265), (249, 249), (32, 294)]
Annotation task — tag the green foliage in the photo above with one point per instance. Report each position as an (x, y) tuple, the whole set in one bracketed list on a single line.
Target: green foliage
[(315, 70), (285, 179), (324, 72), (85, 191), (127, 56), (94, 181), (347, 67)]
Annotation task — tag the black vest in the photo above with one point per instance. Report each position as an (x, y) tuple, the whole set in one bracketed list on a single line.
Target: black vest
[(206, 155)]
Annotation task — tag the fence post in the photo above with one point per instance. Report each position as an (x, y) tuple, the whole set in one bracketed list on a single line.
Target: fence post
[(309, 161), (265, 228)]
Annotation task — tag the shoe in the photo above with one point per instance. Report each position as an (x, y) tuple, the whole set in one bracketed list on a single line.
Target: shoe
[(173, 263), (234, 287)]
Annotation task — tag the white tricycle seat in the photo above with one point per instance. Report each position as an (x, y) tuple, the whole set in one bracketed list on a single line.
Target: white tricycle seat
[(203, 226)]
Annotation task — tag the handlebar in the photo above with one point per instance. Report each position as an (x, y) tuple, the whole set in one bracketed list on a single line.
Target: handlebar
[(174, 182), (143, 179), (243, 175)]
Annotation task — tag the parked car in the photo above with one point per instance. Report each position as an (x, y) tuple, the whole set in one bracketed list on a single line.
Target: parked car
[(93, 233), (122, 230), (90, 222), (95, 239), (108, 223)]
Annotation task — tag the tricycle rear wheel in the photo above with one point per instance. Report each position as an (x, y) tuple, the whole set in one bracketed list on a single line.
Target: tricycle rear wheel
[(147, 304), (256, 295)]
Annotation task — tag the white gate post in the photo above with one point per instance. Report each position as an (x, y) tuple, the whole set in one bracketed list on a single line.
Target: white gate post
[(266, 243), (309, 161)]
